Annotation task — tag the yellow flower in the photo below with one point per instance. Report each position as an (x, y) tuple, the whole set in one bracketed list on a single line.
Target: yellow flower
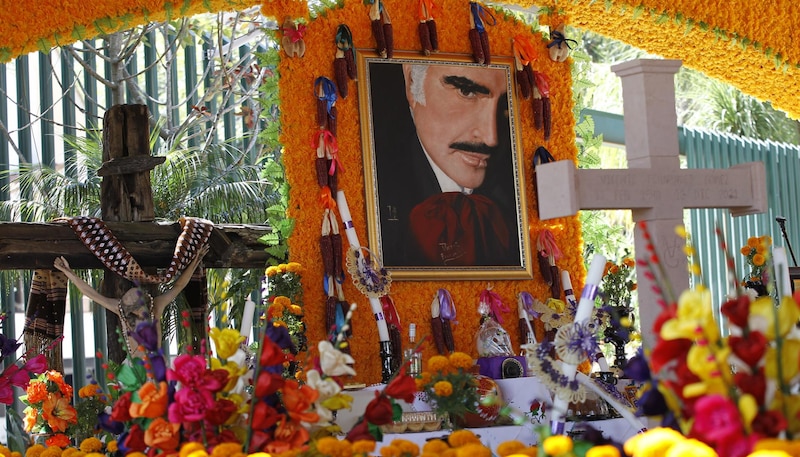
[(390, 451), (461, 360), (51, 452), (226, 341), (363, 447), (769, 446), (443, 388), (473, 450), (406, 447), (461, 437), (763, 315), (652, 443), (753, 242), (296, 310), (692, 447), (758, 260), (111, 446), (438, 363), (294, 267), (226, 449), (557, 444), (606, 450), (189, 447), (328, 445), (435, 446), (694, 315), (272, 271), (91, 444), (507, 448)]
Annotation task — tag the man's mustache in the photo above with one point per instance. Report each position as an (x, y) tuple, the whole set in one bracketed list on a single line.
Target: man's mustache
[(480, 148)]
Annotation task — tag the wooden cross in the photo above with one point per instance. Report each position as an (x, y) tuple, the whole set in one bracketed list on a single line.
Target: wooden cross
[(654, 186), (128, 210)]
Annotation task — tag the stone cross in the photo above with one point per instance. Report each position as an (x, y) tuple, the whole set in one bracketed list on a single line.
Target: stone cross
[(654, 186)]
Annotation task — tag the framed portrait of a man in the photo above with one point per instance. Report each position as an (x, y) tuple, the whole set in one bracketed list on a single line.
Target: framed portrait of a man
[(442, 167)]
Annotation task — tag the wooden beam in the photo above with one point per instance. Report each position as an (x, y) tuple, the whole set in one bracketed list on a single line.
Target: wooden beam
[(27, 246)]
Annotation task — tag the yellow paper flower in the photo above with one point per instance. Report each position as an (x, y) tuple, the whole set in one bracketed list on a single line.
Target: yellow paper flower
[(606, 450), (692, 447), (226, 341), (652, 443), (557, 444)]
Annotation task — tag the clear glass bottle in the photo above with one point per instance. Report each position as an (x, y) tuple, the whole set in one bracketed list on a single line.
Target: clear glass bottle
[(414, 358)]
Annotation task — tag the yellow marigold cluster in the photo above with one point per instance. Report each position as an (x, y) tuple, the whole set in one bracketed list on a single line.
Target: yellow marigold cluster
[(330, 446), (91, 444)]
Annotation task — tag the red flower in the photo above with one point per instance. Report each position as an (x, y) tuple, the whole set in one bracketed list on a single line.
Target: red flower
[(769, 423), (221, 411), (716, 419), (264, 416), (189, 370), (135, 439), (737, 310), (298, 399), (360, 432), (289, 432), (379, 411), (215, 380), (36, 365), (268, 383), (59, 440), (754, 384), (750, 349), (402, 386), (666, 314), (271, 354), (667, 351), (120, 412)]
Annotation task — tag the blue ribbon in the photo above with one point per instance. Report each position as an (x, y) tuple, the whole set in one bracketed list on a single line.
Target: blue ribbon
[(328, 91), (481, 15), (559, 39)]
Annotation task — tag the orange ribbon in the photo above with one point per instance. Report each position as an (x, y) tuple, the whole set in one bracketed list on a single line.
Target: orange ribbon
[(524, 50), (326, 198)]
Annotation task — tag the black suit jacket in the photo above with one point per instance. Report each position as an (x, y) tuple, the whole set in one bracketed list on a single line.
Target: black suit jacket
[(405, 179)]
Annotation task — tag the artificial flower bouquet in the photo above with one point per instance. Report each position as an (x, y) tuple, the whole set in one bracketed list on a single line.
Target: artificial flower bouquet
[(448, 384), (20, 372), (756, 253), (735, 393), (619, 282), (49, 411)]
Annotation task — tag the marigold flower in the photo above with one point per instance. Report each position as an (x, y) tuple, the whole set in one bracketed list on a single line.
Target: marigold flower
[(52, 450), (363, 447), (443, 388), (438, 363), (758, 260), (271, 271), (507, 448), (461, 437), (461, 360), (557, 444), (746, 251), (89, 390), (390, 451), (753, 242), (435, 446), (35, 450), (91, 444), (406, 447), (189, 447), (226, 449), (111, 446), (605, 450), (294, 267), (473, 450)]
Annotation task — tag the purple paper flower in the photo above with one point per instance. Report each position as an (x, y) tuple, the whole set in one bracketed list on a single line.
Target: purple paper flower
[(146, 334)]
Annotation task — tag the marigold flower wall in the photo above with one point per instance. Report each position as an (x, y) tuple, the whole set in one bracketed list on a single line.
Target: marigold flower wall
[(412, 298)]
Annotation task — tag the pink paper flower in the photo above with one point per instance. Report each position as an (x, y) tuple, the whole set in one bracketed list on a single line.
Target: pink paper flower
[(717, 420)]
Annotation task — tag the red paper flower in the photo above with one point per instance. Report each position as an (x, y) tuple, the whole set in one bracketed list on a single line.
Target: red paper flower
[(716, 419), (120, 412), (189, 370), (750, 349), (402, 386), (264, 416), (268, 383), (271, 354), (379, 411), (737, 310), (135, 439), (162, 435), (769, 423), (298, 399), (221, 411), (59, 440), (190, 405), (754, 384)]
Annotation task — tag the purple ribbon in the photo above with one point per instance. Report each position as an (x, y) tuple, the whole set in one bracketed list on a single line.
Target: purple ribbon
[(590, 291), (496, 305), (527, 304), (447, 309)]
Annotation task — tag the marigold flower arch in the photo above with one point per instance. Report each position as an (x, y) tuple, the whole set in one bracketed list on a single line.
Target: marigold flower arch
[(42, 24)]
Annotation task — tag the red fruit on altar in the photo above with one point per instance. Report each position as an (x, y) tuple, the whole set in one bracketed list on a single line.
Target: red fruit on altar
[(490, 399)]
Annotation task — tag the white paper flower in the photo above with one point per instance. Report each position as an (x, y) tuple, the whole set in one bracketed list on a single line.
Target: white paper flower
[(333, 361), (327, 387)]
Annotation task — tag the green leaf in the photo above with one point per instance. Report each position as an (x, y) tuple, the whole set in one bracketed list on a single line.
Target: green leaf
[(689, 26), (397, 411), (638, 11), (5, 54), (132, 376), (609, 4), (78, 32), (703, 26), (663, 18), (375, 431), (43, 45)]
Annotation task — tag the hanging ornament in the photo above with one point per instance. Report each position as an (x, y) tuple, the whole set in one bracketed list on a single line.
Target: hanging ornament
[(542, 115), (524, 54), (381, 28), (344, 64), (428, 35), (479, 18), (548, 253), (292, 41), (325, 91), (560, 46), (443, 313)]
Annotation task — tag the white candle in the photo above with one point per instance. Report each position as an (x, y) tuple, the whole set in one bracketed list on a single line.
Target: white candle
[(583, 313), (569, 294), (352, 238), (782, 279), (247, 318), (347, 220)]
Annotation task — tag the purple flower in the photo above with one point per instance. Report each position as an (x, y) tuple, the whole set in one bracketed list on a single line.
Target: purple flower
[(158, 366), (8, 346), (146, 334), (110, 425), (280, 336)]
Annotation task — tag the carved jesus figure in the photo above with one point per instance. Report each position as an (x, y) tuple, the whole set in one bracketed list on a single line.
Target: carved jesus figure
[(136, 305)]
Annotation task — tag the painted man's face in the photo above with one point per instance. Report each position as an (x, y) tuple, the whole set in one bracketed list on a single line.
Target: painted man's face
[(455, 113)]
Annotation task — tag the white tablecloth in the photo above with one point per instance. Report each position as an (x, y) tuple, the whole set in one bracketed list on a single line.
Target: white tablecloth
[(518, 393)]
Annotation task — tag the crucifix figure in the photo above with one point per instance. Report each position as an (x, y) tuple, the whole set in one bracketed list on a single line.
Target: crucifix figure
[(654, 187), (136, 305)]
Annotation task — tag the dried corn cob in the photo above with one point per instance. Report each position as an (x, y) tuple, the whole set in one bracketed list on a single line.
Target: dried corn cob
[(487, 54), (555, 287), (425, 38), (349, 57), (330, 314), (388, 37), (332, 120), (434, 34), (340, 73), (546, 118), (333, 178), (438, 337), (475, 44), (321, 167), (544, 268), (538, 109), (447, 334), (377, 33), (336, 242), (322, 113), (523, 84)]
